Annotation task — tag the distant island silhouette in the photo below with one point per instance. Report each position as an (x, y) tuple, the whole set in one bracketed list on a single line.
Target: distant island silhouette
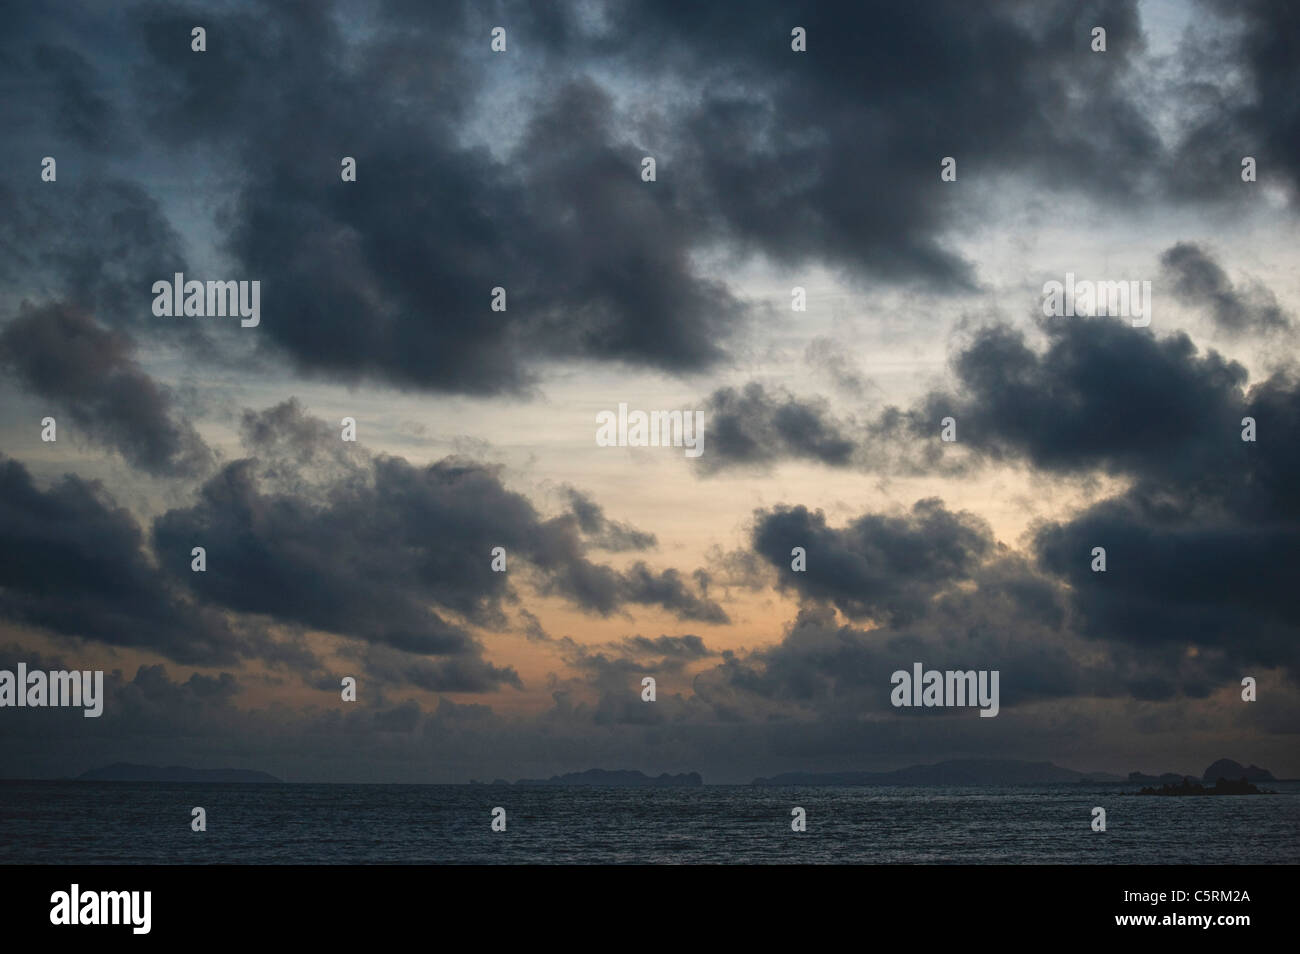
[(1221, 787), (955, 772), (1225, 776), (995, 772), (128, 772), (1227, 768), (1229, 777)]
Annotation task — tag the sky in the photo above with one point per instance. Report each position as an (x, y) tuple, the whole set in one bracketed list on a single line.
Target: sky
[(821, 169)]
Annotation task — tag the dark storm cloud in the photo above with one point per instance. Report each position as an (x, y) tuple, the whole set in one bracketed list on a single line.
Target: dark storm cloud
[(98, 243), (833, 155), (1205, 558), (830, 156), (612, 667), (668, 588), (367, 279), (71, 562), (1261, 488), (1009, 616), (688, 646), (612, 252), (71, 94), (602, 589), (1102, 395), (622, 671), (613, 673), (152, 693), (603, 533), (1196, 278), (838, 671), (287, 429), (1099, 395), (395, 556), (1202, 546), (532, 627), (459, 673), (1243, 67), (157, 717), (297, 453), (1176, 578), (370, 554), (53, 87), (58, 352), (364, 280), (140, 708), (878, 566), (364, 564), (757, 426)]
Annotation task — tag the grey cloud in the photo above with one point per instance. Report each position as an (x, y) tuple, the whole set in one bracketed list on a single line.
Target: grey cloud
[(828, 357), (106, 589), (389, 543), (878, 566), (603, 533), (58, 352), (96, 243), (1197, 278), (1243, 64), (757, 426)]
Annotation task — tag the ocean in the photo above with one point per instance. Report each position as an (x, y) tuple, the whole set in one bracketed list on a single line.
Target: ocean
[(130, 823)]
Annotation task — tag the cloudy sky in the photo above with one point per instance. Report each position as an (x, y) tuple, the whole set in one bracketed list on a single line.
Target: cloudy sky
[(522, 169)]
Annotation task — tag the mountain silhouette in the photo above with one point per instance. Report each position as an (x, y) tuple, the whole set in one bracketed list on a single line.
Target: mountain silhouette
[(1227, 768)]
